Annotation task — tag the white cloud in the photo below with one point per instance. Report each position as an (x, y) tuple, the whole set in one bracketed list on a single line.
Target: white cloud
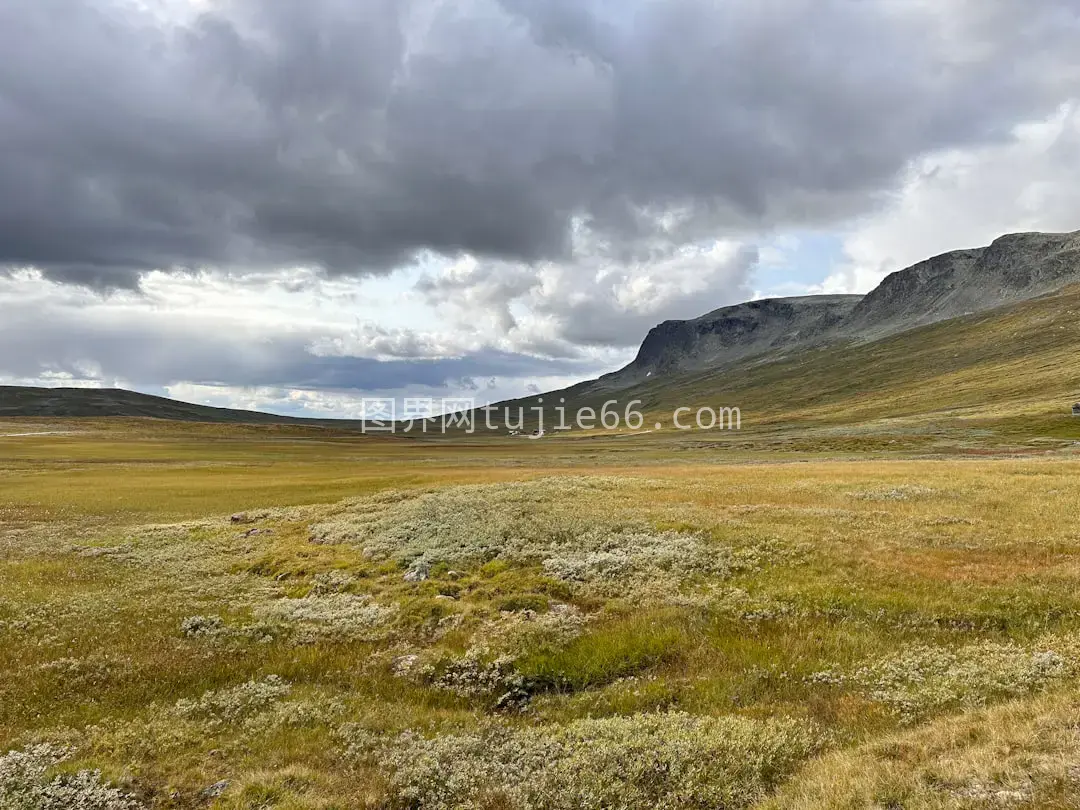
[(967, 198), (595, 304), (323, 404)]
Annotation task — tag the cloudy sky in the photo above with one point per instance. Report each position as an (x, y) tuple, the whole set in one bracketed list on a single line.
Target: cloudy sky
[(292, 205)]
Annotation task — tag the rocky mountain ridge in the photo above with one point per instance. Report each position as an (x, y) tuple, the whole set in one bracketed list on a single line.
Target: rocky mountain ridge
[(1013, 268)]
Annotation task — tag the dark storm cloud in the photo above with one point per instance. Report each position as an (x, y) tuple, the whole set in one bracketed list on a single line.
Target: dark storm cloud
[(351, 134)]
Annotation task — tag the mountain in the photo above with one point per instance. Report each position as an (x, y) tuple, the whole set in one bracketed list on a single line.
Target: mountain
[(732, 333), (1009, 374), (1016, 267)]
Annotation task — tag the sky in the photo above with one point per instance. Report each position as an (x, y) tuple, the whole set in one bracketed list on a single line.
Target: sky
[(294, 206)]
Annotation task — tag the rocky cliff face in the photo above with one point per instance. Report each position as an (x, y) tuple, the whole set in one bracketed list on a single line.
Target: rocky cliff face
[(744, 330), (1014, 268)]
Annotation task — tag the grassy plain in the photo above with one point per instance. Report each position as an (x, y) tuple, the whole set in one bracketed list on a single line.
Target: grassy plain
[(865, 598), (792, 617)]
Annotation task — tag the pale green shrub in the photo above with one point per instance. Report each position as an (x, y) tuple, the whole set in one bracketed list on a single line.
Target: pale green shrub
[(515, 634), (232, 705), (469, 524), (644, 762), (906, 492), (528, 522), (295, 714), (477, 674), (618, 557), (922, 679), (339, 616), (202, 626), (331, 582), (25, 784)]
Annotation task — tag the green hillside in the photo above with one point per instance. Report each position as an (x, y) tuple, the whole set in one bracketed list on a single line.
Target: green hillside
[(1012, 369)]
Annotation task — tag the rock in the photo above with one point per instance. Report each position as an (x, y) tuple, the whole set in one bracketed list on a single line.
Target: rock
[(252, 532), (216, 789), (418, 573), (445, 597), (1076, 409), (241, 517)]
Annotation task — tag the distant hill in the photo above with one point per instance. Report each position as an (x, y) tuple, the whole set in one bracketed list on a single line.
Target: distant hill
[(88, 402)]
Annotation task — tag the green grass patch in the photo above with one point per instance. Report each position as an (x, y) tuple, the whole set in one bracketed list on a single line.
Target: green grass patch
[(624, 647)]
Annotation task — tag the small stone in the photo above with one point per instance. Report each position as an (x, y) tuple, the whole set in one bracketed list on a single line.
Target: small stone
[(240, 517), (216, 789), (445, 597)]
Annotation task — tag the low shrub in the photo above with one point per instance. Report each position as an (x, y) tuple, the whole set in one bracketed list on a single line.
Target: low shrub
[(338, 616), (923, 679), (497, 530), (236, 703), (26, 784), (643, 762)]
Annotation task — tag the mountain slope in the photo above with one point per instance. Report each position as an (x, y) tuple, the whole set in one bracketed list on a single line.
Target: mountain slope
[(1016, 267), (1012, 360), (1015, 365)]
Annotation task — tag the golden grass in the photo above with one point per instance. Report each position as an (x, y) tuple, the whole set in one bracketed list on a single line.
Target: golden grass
[(1020, 754), (844, 564)]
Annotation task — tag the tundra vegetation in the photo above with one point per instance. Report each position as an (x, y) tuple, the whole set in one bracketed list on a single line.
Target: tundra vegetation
[(237, 617)]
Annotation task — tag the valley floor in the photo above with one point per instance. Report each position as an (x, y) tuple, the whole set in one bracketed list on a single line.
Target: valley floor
[(231, 617)]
